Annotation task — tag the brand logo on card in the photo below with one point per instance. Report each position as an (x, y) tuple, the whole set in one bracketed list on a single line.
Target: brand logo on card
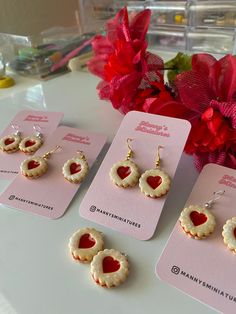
[(34, 118), (146, 127), (31, 203), (228, 181), (177, 271), (77, 139)]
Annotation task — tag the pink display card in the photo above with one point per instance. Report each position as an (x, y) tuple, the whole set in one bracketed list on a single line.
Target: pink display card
[(51, 194), (127, 209), (26, 120), (205, 269)]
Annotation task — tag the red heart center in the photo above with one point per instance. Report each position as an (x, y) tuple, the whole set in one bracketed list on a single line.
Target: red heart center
[(86, 241), (198, 218), (74, 168), (235, 232), (154, 182), (33, 164), (29, 143), (9, 141), (123, 172), (110, 265)]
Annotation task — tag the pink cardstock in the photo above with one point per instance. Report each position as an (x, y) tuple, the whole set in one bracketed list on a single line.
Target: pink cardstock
[(127, 209), (205, 269), (51, 194), (26, 120)]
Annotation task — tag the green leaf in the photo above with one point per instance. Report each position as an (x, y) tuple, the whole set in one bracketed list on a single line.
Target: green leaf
[(180, 63)]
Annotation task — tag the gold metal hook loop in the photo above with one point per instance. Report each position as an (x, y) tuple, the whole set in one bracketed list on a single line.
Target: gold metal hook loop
[(218, 195), (82, 155), (130, 153), (158, 160), (48, 154)]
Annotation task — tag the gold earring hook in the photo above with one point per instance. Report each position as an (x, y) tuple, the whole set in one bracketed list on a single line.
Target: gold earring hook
[(48, 154), (218, 195), (82, 155), (130, 153), (158, 160)]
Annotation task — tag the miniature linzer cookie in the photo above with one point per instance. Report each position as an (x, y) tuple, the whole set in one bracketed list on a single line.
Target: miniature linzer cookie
[(85, 244), (35, 167), (76, 169), (30, 144), (197, 221), (125, 173), (109, 268), (155, 182), (10, 143), (229, 234)]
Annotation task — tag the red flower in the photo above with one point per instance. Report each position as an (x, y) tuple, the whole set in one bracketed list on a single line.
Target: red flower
[(208, 91)]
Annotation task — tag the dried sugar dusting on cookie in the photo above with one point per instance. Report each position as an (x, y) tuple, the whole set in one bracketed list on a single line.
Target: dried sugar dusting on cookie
[(125, 174), (229, 234), (154, 183), (197, 222), (85, 243), (109, 268)]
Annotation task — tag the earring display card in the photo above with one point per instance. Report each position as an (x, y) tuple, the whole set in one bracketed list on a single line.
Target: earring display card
[(25, 121), (204, 269), (127, 209), (51, 194)]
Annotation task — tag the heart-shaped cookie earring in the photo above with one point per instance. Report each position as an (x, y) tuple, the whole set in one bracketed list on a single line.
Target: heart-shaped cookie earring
[(197, 221), (76, 169), (31, 144), (125, 173), (155, 182), (85, 243), (229, 234), (109, 268), (35, 167), (10, 143)]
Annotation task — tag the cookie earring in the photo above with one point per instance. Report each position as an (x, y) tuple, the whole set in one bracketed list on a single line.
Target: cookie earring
[(155, 182), (229, 234), (10, 143), (76, 169), (197, 221), (31, 144), (35, 167), (125, 173)]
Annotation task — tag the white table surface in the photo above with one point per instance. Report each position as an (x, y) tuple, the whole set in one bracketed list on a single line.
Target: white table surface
[(37, 275)]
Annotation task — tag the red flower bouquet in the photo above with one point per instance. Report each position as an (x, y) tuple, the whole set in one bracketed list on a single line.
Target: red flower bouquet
[(203, 90)]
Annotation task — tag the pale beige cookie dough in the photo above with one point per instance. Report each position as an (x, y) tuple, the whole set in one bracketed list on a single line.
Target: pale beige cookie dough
[(125, 174), (75, 169), (154, 183), (10, 143), (33, 167), (85, 243), (229, 234), (30, 144), (109, 268), (197, 221)]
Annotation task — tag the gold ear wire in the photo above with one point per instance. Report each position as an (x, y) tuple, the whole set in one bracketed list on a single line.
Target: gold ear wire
[(48, 154), (213, 200), (158, 160), (82, 155), (130, 153)]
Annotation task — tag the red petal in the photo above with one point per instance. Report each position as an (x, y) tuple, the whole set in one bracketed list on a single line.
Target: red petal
[(139, 25)]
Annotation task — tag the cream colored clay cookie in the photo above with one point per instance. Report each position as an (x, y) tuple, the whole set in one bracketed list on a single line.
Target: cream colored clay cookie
[(85, 243), (10, 143), (154, 183), (229, 234), (109, 268), (33, 167), (125, 174), (30, 144), (75, 169), (197, 221)]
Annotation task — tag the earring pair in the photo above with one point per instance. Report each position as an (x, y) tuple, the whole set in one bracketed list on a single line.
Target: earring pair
[(14, 142), (109, 268), (198, 222), (74, 170), (153, 182)]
